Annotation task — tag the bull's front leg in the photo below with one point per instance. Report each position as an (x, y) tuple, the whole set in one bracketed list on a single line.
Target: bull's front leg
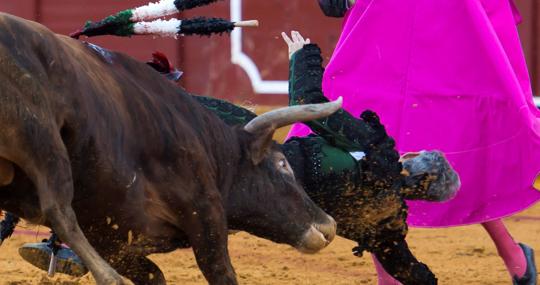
[(207, 232), (47, 164), (398, 260)]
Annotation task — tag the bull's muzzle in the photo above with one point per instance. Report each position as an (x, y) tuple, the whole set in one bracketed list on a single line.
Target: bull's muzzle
[(318, 236)]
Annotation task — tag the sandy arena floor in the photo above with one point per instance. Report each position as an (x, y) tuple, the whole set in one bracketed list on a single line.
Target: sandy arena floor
[(463, 255)]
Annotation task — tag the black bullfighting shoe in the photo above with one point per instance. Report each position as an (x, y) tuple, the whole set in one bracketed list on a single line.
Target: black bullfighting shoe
[(531, 274), (39, 255)]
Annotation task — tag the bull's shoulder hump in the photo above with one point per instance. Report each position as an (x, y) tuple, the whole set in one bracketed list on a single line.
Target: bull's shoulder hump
[(8, 20)]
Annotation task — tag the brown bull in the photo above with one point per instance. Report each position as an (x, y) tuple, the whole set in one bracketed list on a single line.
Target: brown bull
[(97, 141)]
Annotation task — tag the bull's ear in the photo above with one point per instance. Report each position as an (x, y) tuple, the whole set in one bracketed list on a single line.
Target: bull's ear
[(260, 146)]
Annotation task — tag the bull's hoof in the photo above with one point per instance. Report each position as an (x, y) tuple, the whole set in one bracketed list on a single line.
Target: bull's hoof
[(39, 255)]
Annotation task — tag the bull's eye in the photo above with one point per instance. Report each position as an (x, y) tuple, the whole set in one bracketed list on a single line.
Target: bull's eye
[(282, 165)]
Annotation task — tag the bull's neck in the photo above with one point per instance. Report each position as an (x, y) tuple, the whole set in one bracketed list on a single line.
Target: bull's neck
[(225, 156)]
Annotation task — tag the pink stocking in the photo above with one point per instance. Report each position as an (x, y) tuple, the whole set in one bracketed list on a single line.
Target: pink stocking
[(508, 249), (383, 277)]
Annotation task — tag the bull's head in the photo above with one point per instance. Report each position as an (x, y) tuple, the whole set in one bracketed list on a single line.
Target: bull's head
[(266, 199)]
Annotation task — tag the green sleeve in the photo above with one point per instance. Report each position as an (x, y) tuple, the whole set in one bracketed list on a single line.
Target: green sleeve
[(340, 129), (230, 113)]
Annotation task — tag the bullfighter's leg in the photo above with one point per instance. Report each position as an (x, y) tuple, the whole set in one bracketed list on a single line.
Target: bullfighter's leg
[(207, 234), (47, 164), (518, 258), (398, 260), (140, 270)]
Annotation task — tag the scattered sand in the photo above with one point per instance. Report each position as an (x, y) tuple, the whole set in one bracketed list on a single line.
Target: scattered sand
[(463, 255)]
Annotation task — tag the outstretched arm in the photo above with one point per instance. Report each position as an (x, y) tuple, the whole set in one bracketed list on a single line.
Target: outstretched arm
[(340, 129)]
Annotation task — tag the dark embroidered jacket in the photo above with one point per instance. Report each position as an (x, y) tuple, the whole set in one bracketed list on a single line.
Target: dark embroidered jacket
[(363, 195)]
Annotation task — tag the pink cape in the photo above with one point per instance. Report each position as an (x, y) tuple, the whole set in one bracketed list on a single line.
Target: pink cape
[(447, 75)]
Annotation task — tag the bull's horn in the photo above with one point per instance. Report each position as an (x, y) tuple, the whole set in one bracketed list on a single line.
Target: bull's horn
[(288, 115)]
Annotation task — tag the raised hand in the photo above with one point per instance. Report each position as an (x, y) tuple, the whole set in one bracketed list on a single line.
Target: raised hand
[(296, 42)]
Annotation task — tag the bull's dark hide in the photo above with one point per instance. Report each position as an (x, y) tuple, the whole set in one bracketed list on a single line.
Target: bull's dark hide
[(99, 140)]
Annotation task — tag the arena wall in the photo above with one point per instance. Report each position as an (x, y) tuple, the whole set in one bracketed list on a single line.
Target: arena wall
[(248, 67)]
